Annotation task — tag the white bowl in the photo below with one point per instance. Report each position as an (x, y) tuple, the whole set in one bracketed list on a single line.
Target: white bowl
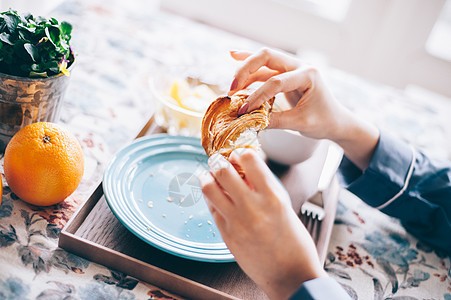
[(286, 147), (169, 114)]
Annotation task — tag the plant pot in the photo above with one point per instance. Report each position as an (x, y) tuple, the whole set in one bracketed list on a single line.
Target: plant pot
[(24, 101)]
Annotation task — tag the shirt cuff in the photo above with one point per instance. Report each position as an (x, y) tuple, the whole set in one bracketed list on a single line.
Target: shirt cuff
[(323, 288), (387, 175)]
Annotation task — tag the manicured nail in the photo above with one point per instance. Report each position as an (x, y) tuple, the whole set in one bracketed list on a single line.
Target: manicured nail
[(233, 51), (243, 109), (234, 84), (217, 162)]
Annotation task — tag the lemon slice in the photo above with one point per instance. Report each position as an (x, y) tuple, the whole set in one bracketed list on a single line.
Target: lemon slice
[(192, 98), (176, 92)]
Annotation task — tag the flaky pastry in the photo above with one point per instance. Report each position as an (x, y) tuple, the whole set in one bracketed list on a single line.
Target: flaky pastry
[(223, 130)]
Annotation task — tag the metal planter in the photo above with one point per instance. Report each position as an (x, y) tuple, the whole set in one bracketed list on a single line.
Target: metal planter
[(28, 100)]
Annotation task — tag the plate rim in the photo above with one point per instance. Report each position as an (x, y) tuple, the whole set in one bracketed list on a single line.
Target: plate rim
[(107, 182)]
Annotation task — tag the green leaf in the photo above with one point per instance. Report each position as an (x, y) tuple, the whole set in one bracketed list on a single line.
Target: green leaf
[(33, 51), (25, 49), (64, 45), (53, 33), (11, 21), (40, 20), (66, 28), (30, 29), (53, 21), (24, 68), (20, 53), (51, 66), (29, 18), (6, 38), (22, 35)]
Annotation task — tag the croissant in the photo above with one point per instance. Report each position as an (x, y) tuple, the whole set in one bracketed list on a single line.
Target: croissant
[(223, 130)]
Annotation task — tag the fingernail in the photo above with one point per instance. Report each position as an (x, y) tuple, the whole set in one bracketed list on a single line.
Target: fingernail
[(243, 108), (233, 51), (234, 84), (217, 162)]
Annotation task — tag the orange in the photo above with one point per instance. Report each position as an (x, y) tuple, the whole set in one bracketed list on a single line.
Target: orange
[(43, 163)]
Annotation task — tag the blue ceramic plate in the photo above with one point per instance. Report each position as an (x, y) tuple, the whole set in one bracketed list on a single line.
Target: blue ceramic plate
[(153, 189)]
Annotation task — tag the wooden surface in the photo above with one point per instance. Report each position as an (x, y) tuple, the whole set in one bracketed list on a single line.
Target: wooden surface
[(95, 233)]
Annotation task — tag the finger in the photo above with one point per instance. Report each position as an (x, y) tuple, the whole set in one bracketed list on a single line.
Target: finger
[(284, 120), (272, 59), (219, 219), (226, 175), (240, 54), (214, 194), (263, 74), (285, 82), (257, 172)]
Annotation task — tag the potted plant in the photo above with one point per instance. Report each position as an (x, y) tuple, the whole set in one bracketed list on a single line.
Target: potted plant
[(35, 63)]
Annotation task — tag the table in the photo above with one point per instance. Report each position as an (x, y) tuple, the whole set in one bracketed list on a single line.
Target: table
[(120, 47)]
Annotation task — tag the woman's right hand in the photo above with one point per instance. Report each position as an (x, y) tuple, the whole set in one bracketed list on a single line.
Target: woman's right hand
[(259, 225), (315, 112)]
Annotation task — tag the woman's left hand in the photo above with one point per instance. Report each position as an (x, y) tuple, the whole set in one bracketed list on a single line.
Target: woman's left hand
[(258, 224)]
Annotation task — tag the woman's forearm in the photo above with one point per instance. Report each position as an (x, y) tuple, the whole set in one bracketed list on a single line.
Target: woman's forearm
[(358, 138)]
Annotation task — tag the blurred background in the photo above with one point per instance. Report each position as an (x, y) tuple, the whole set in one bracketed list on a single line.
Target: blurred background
[(402, 43)]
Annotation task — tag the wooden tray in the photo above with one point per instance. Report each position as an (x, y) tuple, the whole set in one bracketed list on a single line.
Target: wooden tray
[(94, 233)]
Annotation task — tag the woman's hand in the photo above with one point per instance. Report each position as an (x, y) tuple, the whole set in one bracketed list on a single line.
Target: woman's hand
[(315, 112), (258, 224)]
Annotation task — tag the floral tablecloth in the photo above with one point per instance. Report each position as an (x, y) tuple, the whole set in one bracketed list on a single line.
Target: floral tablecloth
[(120, 46)]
